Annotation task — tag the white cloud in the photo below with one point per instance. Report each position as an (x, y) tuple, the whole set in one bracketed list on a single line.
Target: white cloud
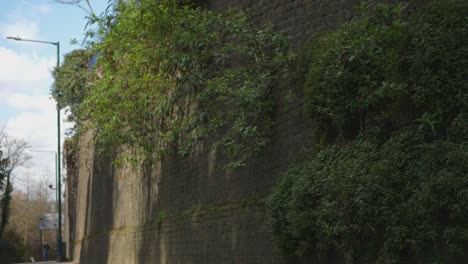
[(42, 9), (28, 9), (22, 28), (25, 81), (37, 104), (37, 127), (24, 21), (36, 121), (23, 71), (37, 124)]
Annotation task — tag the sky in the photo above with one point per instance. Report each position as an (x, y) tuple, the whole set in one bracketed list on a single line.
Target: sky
[(26, 107)]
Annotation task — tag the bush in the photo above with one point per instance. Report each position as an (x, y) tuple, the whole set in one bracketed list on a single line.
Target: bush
[(380, 72), (405, 201), (389, 185)]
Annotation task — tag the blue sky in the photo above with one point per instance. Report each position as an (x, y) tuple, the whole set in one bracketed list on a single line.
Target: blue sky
[(25, 80)]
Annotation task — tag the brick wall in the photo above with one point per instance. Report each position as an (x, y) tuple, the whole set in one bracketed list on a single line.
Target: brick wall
[(191, 210)]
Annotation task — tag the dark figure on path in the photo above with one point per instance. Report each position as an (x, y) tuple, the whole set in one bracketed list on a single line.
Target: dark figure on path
[(45, 251)]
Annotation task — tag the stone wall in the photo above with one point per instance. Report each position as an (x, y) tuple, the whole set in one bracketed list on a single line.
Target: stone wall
[(191, 210)]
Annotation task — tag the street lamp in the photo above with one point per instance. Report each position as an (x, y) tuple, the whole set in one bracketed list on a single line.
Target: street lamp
[(59, 200)]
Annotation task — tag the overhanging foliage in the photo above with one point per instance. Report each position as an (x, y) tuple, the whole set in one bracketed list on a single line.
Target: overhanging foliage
[(71, 82), (171, 75)]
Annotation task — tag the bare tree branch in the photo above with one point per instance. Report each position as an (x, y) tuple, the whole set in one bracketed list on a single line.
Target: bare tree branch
[(15, 151), (12, 155), (78, 3), (90, 8)]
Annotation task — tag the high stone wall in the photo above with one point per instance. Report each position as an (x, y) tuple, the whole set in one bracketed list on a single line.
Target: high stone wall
[(191, 210)]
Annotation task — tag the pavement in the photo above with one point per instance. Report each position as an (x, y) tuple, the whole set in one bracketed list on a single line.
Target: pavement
[(46, 262)]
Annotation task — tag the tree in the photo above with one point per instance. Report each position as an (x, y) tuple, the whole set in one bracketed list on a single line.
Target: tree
[(27, 205), (5, 205), (3, 166), (13, 155), (3, 160)]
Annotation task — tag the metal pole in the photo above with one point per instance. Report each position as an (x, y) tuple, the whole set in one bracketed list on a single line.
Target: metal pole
[(59, 180), (56, 182), (57, 206)]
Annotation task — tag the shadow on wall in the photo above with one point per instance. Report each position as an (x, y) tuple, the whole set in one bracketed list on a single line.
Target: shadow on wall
[(99, 209), (148, 248), (199, 213)]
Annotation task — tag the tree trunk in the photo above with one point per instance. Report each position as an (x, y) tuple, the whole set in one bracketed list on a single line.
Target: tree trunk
[(6, 205)]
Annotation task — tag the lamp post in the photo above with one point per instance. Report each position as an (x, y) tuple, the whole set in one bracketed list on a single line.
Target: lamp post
[(59, 200)]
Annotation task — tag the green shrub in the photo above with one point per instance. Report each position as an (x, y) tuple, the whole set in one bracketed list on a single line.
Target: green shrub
[(389, 97), (380, 72), (400, 202)]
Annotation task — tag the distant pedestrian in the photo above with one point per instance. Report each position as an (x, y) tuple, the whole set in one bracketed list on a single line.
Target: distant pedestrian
[(45, 251)]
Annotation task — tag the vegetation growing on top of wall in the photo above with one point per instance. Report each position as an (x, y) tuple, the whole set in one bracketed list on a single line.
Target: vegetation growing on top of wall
[(169, 75), (389, 185), (71, 83)]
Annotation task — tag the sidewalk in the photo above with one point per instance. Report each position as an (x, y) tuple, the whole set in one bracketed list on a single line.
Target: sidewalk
[(45, 262)]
